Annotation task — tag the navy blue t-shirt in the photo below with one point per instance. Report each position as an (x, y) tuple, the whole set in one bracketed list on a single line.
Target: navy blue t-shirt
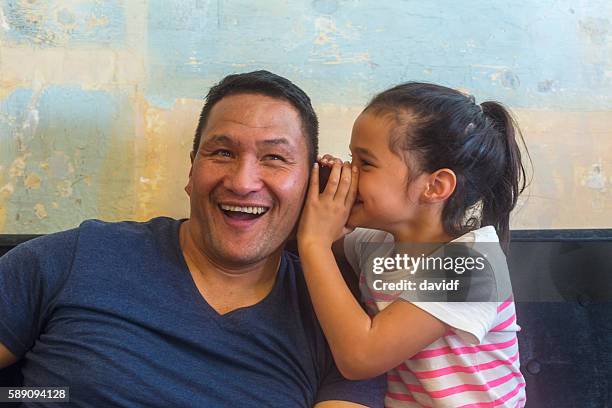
[(111, 311)]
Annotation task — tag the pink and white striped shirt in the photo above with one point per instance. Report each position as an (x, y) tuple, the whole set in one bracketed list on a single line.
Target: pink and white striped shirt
[(475, 364)]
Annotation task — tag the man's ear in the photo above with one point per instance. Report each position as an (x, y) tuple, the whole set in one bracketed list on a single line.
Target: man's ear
[(440, 185), (188, 186)]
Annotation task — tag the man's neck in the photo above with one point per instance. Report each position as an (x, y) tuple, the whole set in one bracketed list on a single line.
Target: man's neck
[(227, 287)]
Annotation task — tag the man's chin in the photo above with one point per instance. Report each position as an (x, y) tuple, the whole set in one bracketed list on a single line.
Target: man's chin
[(241, 248), (243, 255)]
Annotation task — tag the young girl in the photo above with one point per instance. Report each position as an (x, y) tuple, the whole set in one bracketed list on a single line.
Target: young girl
[(429, 165)]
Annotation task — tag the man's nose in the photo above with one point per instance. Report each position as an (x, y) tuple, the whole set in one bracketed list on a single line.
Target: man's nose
[(244, 178)]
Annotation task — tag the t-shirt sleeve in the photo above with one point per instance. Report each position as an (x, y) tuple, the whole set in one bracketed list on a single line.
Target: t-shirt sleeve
[(370, 393), (473, 310), (30, 275)]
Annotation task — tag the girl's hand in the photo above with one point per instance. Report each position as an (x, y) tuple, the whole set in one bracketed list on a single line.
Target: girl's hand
[(328, 160), (324, 216)]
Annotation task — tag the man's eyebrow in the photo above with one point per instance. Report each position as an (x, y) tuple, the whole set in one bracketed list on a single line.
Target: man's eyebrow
[(220, 139), (226, 140), (281, 141)]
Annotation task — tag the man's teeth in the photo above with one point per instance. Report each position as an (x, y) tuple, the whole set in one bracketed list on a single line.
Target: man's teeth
[(248, 210)]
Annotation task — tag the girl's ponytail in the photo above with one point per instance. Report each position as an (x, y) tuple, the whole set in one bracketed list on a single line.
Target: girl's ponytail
[(500, 199)]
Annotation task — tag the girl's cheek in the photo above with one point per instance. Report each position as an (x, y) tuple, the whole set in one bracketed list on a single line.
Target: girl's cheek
[(363, 184), (360, 184)]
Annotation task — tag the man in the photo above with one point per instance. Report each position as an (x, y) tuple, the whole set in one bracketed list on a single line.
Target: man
[(206, 312)]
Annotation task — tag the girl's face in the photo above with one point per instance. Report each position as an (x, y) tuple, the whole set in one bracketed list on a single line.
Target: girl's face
[(385, 199)]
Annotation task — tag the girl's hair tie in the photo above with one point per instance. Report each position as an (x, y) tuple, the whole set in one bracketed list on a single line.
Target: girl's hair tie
[(472, 99)]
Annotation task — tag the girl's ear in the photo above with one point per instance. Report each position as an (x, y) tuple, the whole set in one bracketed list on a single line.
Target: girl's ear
[(440, 185)]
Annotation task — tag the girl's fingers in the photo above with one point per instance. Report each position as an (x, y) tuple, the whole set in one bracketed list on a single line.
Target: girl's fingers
[(313, 189), (329, 160), (333, 181), (345, 183), (352, 194)]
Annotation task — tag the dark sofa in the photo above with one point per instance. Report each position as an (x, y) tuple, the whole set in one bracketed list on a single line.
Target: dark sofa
[(562, 281)]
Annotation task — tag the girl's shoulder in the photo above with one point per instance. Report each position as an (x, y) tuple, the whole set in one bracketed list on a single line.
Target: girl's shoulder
[(363, 242), (482, 234), (368, 235)]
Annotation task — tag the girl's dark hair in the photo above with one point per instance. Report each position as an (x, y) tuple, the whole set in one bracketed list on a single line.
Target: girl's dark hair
[(444, 128)]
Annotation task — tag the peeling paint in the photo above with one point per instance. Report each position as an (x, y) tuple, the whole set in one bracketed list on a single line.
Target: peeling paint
[(66, 18), (596, 29), (329, 51), (7, 189), (596, 179), (18, 166), (59, 165), (64, 188), (32, 181), (325, 6), (510, 80), (325, 28), (99, 122), (3, 23), (52, 24), (40, 211), (546, 86), (31, 121), (94, 21)]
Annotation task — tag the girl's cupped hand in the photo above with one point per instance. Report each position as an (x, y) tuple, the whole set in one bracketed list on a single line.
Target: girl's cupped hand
[(325, 213)]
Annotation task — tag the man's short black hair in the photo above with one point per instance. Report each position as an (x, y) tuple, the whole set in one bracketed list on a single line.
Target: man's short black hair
[(268, 84)]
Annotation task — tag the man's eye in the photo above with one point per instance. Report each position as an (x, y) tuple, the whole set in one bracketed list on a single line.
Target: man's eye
[(222, 153), (274, 157)]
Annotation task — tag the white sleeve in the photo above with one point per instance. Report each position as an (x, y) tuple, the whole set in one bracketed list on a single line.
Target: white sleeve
[(470, 320), (354, 248)]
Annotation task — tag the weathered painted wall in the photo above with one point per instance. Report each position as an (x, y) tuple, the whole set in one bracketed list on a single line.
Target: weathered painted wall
[(99, 99)]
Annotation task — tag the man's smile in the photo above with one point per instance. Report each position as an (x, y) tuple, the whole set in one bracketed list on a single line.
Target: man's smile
[(242, 215)]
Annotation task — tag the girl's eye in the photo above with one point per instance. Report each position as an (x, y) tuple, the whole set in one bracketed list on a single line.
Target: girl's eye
[(359, 161)]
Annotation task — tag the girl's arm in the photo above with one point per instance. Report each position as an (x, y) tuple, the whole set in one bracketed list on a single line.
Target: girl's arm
[(351, 278), (363, 347)]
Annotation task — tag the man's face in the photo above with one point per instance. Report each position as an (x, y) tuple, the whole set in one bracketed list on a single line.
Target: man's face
[(248, 179)]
